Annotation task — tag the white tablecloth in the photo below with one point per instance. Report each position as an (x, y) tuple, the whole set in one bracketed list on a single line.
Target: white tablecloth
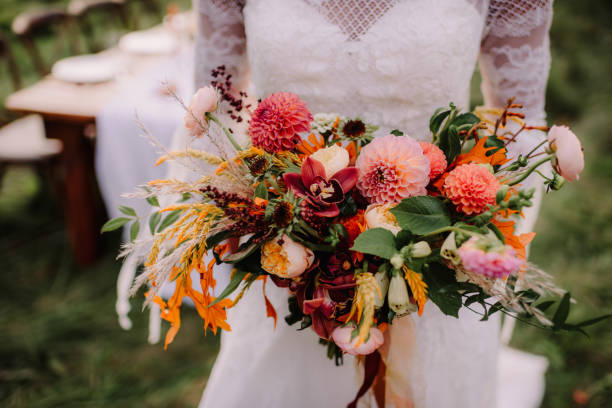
[(125, 159)]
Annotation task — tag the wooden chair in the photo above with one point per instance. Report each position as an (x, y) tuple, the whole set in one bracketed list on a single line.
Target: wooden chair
[(83, 11), (23, 140), (28, 26)]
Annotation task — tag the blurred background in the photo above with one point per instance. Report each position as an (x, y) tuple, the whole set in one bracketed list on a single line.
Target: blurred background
[(62, 345)]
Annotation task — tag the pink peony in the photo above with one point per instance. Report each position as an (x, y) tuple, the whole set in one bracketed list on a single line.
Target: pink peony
[(342, 336), (392, 168), (204, 101), (278, 119), (471, 187), (437, 159), (493, 264), (568, 152)]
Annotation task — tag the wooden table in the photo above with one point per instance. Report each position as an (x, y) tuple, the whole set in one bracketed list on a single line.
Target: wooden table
[(69, 112)]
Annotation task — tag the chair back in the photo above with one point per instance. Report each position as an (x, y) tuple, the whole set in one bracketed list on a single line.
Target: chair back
[(7, 57), (28, 26), (84, 11)]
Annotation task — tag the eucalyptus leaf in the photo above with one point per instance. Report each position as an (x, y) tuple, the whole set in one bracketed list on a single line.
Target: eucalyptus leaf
[(154, 220), (421, 215), (128, 210), (169, 220), (376, 241), (153, 201), (114, 224), (134, 230)]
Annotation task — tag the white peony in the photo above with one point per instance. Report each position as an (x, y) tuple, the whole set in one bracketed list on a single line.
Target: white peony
[(378, 216), (333, 158)]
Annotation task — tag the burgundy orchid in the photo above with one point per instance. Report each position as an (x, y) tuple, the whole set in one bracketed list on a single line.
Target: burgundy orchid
[(322, 195)]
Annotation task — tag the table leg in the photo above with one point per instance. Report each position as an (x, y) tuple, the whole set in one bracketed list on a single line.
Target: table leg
[(81, 199)]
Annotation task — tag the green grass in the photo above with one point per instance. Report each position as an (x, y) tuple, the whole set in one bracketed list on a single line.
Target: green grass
[(61, 343)]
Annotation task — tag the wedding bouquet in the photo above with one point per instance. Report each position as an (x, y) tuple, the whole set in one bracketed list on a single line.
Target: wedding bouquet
[(361, 230)]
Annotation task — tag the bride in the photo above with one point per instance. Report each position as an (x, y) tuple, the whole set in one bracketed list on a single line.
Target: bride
[(392, 62)]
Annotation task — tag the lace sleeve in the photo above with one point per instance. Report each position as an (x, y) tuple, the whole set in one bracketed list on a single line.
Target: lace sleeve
[(220, 40), (514, 61), (515, 55)]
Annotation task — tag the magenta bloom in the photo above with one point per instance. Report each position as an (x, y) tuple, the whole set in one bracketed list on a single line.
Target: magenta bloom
[(497, 263), (277, 122), (321, 194)]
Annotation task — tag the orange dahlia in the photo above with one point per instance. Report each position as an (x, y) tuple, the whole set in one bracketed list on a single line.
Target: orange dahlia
[(277, 122), (437, 159), (471, 187), (392, 168)]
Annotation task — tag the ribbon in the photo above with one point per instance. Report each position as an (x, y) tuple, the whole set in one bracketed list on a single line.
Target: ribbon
[(372, 365)]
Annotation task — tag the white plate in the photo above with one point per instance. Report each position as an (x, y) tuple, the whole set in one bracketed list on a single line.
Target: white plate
[(148, 42), (86, 69)]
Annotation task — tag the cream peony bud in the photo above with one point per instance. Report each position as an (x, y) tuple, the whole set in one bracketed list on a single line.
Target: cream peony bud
[(285, 258), (343, 337), (205, 100), (379, 216), (382, 280), (569, 158), (333, 158), (399, 301)]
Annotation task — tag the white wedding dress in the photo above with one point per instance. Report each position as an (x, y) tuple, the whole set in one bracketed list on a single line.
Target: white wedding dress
[(392, 62)]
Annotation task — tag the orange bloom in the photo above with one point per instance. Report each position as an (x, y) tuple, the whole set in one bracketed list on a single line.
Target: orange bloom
[(518, 242), (308, 147), (478, 155)]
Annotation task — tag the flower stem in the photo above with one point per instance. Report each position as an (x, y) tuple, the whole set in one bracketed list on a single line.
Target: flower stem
[(228, 134), (536, 148), (531, 170)]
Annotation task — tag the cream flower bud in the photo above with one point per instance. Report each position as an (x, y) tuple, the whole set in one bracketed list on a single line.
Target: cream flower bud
[(569, 158), (285, 258), (333, 158), (420, 249), (204, 101), (382, 280), (399, 301), (449, 249), (379, 216)]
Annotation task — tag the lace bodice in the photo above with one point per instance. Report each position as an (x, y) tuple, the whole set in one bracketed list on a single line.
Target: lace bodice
[(392, 61)]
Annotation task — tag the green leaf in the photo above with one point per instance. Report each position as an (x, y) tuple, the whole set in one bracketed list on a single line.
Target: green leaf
[(169, 220), (593, 321), (442, 289), (545, 305), (128, 210), (437, 118), (450, 143), (421, 215), (114, 224), (396, 132), (261, 191), (467, 118), (153, 201), (497, 232), (134, 230), (562, 311), (154, 220), (241, 254), (185, 197), (231, 287), (376, 241)]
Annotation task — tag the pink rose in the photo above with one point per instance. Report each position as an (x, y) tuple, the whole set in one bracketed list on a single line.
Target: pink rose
[(342, 338), (568, 152), (205, 100)]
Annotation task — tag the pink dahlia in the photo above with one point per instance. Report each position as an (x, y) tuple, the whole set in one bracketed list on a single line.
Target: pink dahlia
[(392, 168), (497, 263), (471, 187), (278, 119), (437, 159)]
